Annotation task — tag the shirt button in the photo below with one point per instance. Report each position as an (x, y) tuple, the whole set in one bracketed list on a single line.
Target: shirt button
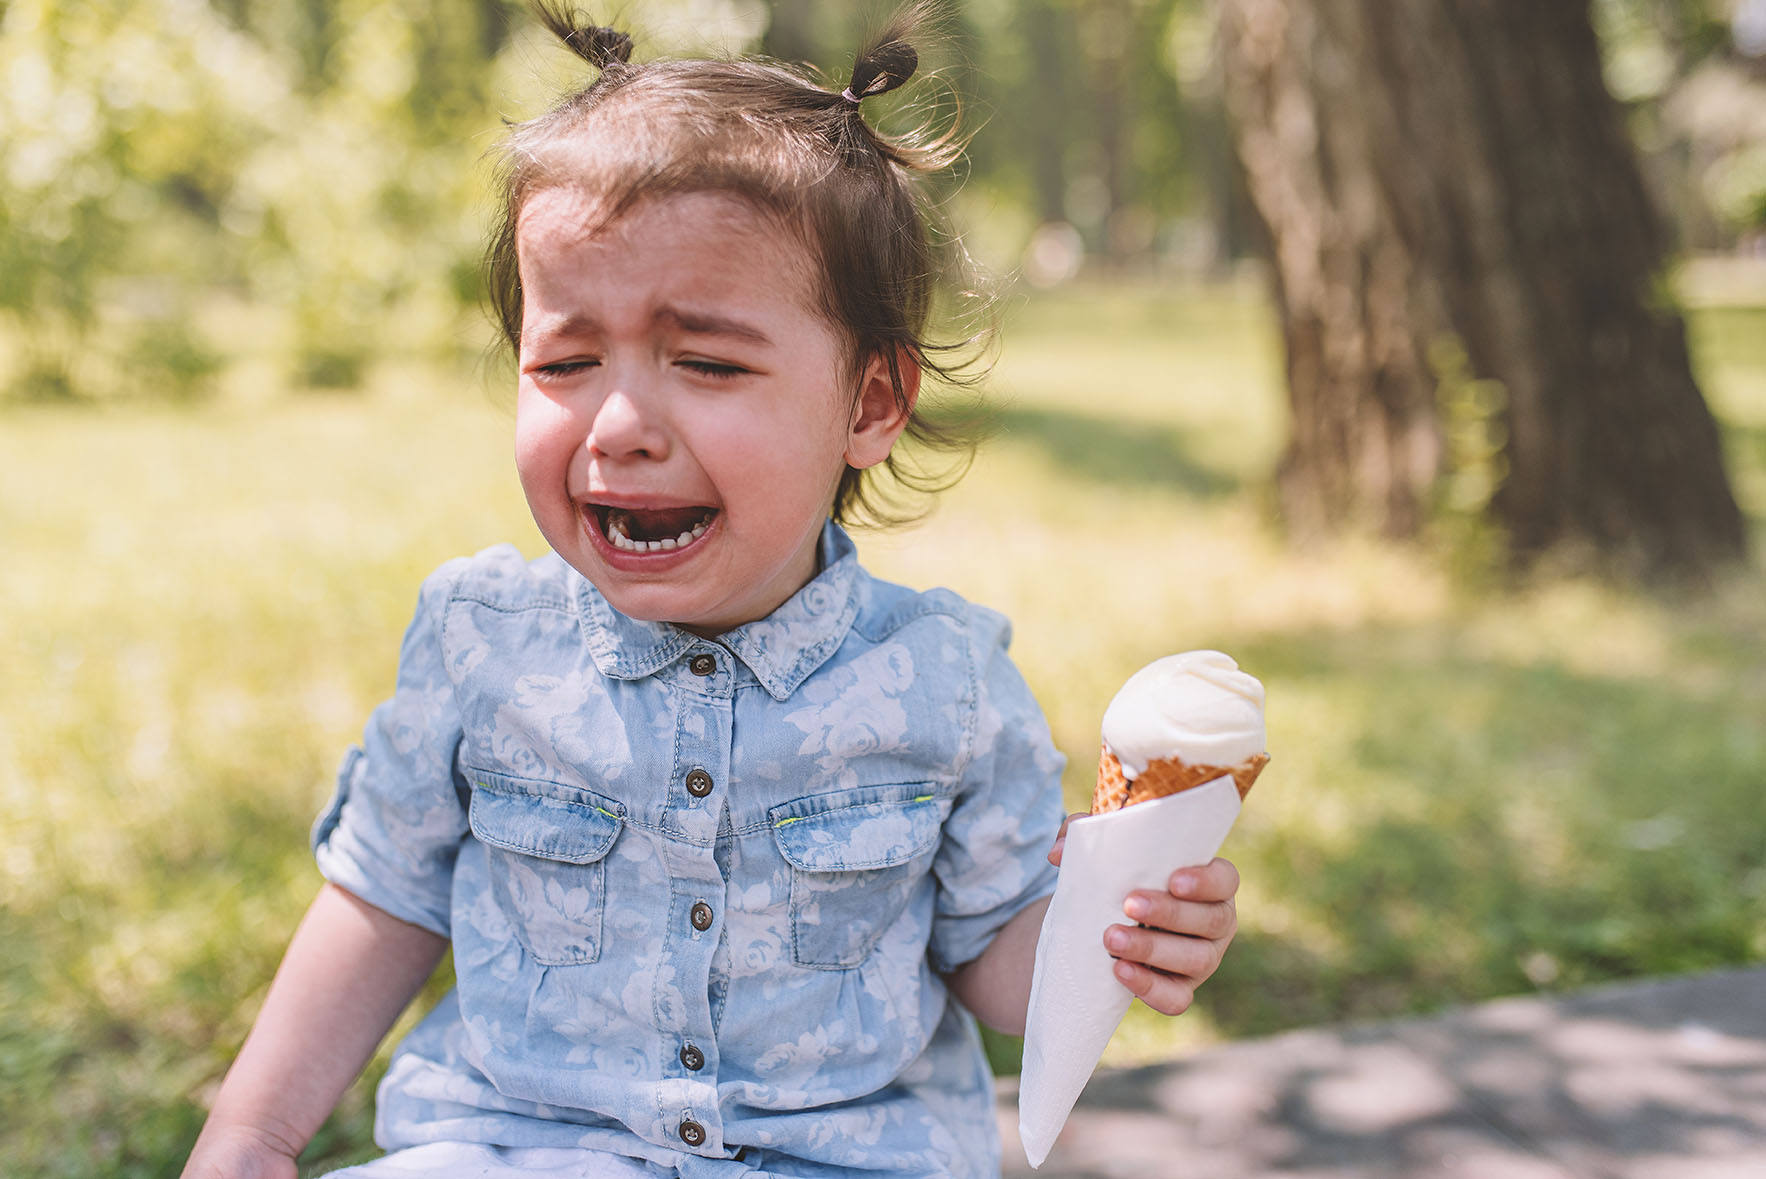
[(703, 664), (692, 1133), (692, 1058), (701, 916), (698, 783)]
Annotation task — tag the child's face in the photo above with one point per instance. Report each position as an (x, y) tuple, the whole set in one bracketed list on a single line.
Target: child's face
[(684, 415)]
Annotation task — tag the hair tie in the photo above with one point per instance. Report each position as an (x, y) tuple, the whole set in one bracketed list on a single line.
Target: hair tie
[(849, 96)]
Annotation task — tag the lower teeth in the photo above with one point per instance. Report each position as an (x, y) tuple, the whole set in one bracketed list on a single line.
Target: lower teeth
[(616, 535)]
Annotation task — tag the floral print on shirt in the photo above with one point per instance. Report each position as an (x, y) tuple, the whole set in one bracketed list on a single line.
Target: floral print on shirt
[(701, 892)]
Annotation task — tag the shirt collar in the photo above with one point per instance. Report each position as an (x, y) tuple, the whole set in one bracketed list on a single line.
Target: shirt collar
[(782, 650)]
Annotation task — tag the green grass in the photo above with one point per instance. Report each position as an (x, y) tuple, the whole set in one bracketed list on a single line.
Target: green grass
[(1473, 792)]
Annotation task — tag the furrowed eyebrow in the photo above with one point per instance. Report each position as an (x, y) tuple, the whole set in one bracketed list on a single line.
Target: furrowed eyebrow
[(698, 323), (704, 323), (555, 326)]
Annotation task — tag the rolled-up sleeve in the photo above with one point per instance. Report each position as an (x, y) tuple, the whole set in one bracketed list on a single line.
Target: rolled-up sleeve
[(392, 831), (993, 860)]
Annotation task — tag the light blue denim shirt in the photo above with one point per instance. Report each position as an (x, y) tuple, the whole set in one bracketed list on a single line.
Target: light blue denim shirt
[(700, 891)]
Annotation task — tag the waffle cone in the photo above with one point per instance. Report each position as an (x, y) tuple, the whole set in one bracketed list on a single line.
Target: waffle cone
[(1162, 777)]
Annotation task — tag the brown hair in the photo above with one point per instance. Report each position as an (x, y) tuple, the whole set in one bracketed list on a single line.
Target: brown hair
[(768, 134)]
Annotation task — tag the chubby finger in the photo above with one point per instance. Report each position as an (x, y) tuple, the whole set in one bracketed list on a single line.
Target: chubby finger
[(1214, 920), (1216, 880), (1171, 953), (1165, 993), (1061, 838)]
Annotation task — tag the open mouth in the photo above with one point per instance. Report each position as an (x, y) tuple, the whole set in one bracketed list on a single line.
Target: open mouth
[(652, 530)]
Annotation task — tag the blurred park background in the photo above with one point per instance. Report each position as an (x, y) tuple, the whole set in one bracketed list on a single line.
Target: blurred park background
[(1413, 353)]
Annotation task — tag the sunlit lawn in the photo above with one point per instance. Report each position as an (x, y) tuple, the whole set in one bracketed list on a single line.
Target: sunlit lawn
[(1473, 793)]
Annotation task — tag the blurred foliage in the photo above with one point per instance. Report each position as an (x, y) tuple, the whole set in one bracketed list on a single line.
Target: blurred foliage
[(203, 198), (187, 186), (1474, 466), (160, 156), (1693, 73), (1475, 791)]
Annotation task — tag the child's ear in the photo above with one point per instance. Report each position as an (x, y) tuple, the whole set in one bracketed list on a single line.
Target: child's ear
[(879, 413)]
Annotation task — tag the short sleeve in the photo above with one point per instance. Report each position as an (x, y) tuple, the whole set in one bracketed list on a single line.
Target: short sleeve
[(392, 831), (993, 859)]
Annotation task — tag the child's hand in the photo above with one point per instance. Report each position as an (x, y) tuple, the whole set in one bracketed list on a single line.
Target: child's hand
[(1180, 935)]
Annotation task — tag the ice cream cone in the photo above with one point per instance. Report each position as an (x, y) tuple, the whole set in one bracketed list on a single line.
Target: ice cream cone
[(1162, 777), (1179, 726)]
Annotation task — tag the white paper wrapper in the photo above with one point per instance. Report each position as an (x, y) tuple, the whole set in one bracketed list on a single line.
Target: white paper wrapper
[(1075, 998)]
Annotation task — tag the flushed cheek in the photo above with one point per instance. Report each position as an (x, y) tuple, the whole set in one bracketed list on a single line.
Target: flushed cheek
[(544, 470), (544, 439), (774, 472)]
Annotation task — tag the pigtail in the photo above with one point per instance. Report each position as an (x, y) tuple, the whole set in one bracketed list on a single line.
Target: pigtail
[(886, 63), (599, 46)]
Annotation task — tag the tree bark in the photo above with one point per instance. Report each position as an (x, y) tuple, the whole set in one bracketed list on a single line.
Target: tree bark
[(1048, 35), (1454, 171)]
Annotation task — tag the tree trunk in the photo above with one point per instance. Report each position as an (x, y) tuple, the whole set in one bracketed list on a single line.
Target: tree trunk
[(1107, 26), (1444, 178), (1048, 37)]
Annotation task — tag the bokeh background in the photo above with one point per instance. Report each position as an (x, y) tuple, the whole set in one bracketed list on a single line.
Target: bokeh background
[(1297, 299)]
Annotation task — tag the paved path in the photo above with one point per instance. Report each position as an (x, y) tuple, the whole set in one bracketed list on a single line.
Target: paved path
[(1663, 1079)]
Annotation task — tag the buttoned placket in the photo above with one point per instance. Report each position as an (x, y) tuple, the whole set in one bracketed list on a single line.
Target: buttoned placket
[(705, 681)]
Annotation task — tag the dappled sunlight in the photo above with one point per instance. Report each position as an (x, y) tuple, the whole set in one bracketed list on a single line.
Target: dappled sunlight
[(1652, 1079), (1474, 790), (250, 398)]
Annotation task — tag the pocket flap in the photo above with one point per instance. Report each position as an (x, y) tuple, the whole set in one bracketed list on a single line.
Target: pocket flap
[(873, 827), (545, 819)]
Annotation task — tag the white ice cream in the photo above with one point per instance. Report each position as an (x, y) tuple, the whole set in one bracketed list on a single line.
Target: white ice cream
[(1197, 706)]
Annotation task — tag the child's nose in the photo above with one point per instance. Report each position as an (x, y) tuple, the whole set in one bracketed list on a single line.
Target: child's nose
[(627, 426)]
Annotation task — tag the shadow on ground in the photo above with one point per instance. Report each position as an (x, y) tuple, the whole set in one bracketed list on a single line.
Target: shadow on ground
[(1645, 1079), (1100, 450)]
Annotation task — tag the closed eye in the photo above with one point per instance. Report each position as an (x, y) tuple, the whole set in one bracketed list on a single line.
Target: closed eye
[(713, 369), (565, 368)]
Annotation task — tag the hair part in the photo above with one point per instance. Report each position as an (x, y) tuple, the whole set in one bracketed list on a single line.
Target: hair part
[(802, 153)]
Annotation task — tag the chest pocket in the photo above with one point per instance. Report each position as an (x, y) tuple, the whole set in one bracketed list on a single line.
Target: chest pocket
[(545, 846), (856, 858)]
